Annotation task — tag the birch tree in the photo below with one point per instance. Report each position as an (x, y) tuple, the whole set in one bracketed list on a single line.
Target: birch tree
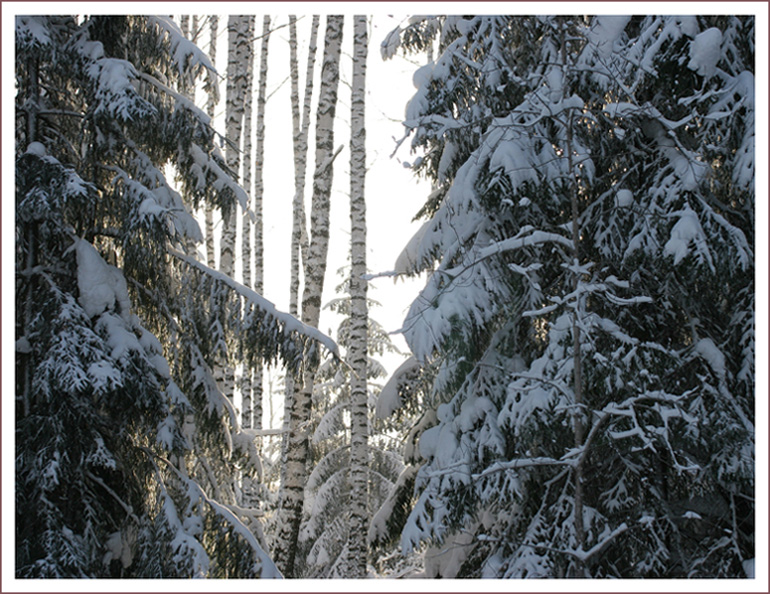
[(326, 527), (300, 127), (357, 353), (291, 495), (211, 106), (259, 158), (237, 44), (246, 223)]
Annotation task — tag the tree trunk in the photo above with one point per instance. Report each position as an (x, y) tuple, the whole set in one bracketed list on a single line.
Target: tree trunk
[(299, 228), (238, 39), (300, 132), (259, 190), (292, 490), (246, 406), (579, 413), (211, 105), (357, 353)]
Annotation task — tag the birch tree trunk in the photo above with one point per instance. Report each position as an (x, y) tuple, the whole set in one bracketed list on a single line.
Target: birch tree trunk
[(357, 353), (238, 39), (211, 105), (293, 487), (300, 126), (246, 405), (300, 129), (259, 190)]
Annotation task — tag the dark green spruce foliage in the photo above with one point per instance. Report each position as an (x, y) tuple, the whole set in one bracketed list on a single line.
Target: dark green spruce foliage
[(125, 446), (587, 325)]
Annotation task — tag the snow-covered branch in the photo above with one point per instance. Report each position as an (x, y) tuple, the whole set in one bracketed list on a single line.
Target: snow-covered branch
[(291, 325)]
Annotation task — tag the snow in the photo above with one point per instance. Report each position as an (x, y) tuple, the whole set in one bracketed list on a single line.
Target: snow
[(101, 287), (624, 198), (688, 25), (103, 376), (185, 52), (291, 325), (119, 338), (713, 356), (388, 400), (36, 148), (447, 156), (409, 259), (705, 52), (748, 568), (390, 44), (23, 346), (606, 32), (687, 230), (422, 76), (30, 28), (119, 548)]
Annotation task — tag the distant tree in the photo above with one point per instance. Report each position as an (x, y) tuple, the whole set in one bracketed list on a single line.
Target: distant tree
[(259, 190), (211, 104), (299, 238), (252, 211)]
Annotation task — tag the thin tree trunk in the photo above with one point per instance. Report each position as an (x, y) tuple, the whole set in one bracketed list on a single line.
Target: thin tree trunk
[(238, 38), (293, 487), (187, 88), (357, 353), (259, 190), (578, 414), (246, 405), (299, 228), (184, 25), (299, 239), (211, 105)]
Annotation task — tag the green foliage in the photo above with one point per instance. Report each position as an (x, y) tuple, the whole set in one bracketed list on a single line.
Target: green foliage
[(126, 445), (589, 310)]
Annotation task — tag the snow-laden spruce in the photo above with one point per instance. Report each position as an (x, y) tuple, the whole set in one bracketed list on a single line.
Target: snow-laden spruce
[(125, 443), (587, 322)]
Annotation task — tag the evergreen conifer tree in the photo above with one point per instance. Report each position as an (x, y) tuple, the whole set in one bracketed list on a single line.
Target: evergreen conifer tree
[(592, 378), (124, 442)]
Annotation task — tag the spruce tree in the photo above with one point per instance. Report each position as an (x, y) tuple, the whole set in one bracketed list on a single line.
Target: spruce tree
[(124, 442), (592, 406)]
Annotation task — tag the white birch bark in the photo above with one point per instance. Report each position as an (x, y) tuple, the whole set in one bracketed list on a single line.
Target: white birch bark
[(357, 353), (188, 90), (246, 404), (238, 38), (211, 105), (184, 25), (259, 190), (293, 487), (300, 126), (237, 30)]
